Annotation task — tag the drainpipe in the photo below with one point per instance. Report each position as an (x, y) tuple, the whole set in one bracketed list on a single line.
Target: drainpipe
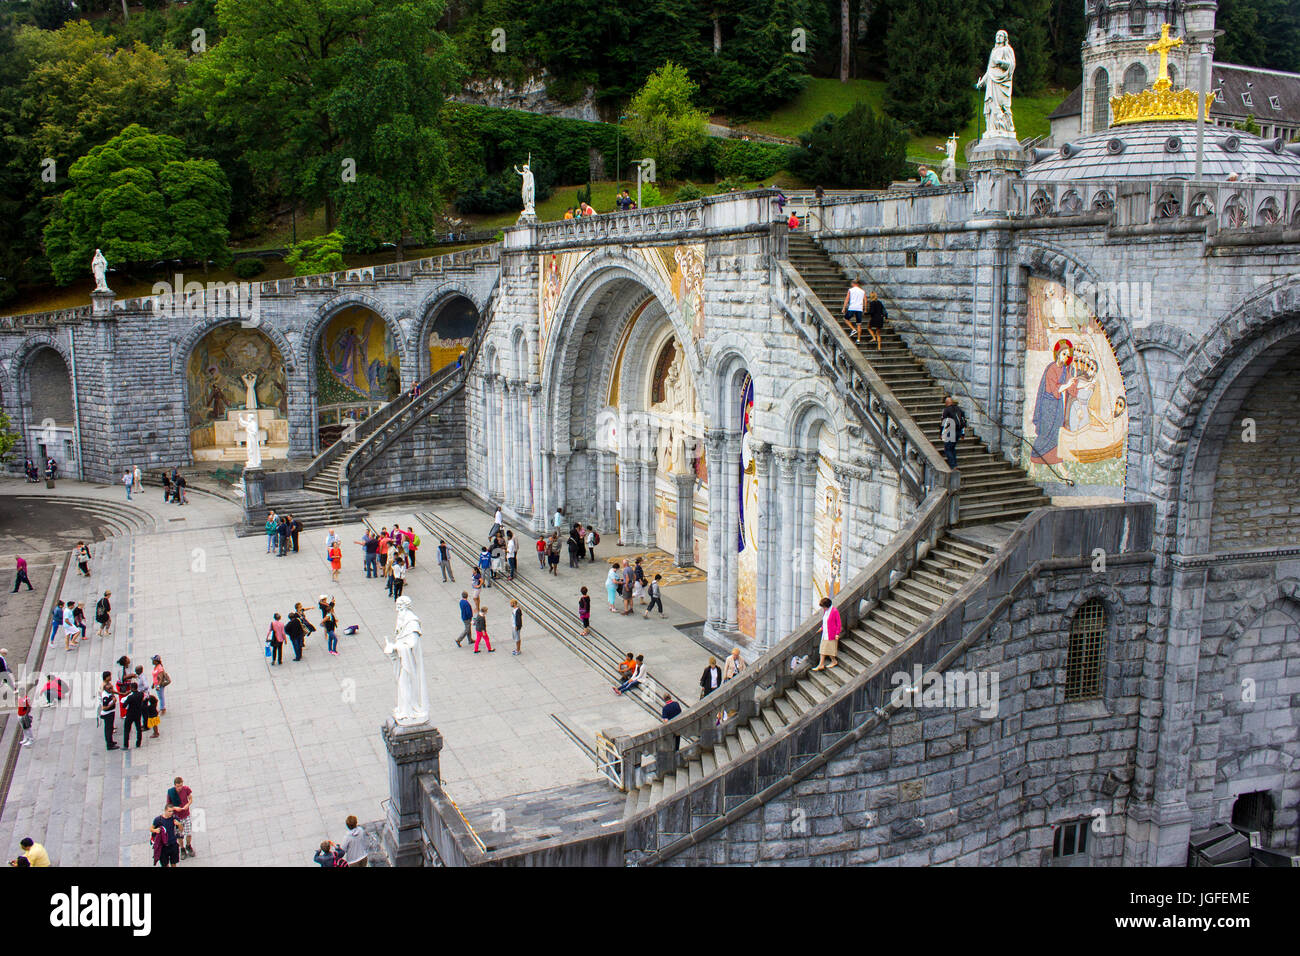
[(975, 311), (76, 405)]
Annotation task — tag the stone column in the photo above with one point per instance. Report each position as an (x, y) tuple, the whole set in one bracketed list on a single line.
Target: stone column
[(545, 507), (787, 461), (714, 562), (731, 508), (685, 556), (807, 511), (629, 480), (412, 752), (562, 481), (606, 493), (762, 453), (532, 479), (647, 501)]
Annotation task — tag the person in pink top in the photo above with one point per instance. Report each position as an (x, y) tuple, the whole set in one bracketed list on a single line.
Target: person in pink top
[(830, 635), (21, 577), (275, 637)]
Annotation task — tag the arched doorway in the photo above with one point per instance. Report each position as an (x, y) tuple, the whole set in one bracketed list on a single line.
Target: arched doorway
[(450, 327), (49, 410), (358, 368), (235, 371)]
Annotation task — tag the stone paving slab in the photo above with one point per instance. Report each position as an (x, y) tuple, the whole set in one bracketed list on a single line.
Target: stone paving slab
[(278, 756)]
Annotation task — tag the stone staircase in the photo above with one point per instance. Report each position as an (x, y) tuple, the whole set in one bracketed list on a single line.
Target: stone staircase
[(956, 557), (992, 488), (326, 481)]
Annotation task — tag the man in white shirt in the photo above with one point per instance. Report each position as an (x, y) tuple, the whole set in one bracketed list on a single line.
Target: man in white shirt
[(354, 844), (853, 309), (557, 522), (512, 556)]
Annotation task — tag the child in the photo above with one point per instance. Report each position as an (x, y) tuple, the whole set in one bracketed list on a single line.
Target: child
[(517, 625), (541, 553), (584, 612), (480, 630), (151, 718)]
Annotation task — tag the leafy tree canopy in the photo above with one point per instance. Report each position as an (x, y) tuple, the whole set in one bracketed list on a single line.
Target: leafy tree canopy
[(663, 123), (859, 150)]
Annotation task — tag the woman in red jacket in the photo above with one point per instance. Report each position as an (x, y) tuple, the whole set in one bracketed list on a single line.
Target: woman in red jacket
[(830, 635)]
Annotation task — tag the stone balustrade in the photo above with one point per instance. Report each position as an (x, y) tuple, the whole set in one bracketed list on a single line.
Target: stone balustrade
[(1142, 202)]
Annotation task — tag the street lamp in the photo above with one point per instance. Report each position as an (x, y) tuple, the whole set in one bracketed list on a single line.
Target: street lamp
[(1204, 38), (618, 152)]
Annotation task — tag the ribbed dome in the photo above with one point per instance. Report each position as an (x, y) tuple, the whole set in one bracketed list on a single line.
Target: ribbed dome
[(1165, 150)]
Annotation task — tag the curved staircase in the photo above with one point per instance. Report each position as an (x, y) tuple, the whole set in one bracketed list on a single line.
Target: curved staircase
[(992, 488)]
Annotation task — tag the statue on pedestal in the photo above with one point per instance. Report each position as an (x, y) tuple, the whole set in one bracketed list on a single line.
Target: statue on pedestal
[(250, 399), (949, 172), (996, 83), (249, 424), (408, 663), (529, 190), (99, 268)]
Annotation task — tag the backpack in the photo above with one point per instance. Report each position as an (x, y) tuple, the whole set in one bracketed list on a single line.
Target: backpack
[(961, 422), (595, 538)]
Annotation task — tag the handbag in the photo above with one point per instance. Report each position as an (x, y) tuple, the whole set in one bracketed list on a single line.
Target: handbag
[(268, 650), (164, 680)]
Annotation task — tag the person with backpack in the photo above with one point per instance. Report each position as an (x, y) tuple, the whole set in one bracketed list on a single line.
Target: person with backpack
[(151, 718), (413, 544), (656, 597), (593, 539), (399, 576), (104, 615), (951, 427), (79, 618), (293, 630), (25, 720), (330, 854), (553, 554), (516, 626)]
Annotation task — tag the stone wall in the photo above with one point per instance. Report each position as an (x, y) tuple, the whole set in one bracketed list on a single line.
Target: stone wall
[(960, 785), (1257, 487), (429, 457)]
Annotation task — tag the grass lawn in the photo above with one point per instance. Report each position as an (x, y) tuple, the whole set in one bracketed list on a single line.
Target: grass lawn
[(823, 96)]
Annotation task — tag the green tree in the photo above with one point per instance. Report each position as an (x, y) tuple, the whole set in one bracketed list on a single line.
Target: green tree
[(288, 84), (138, 198), (9, 437), (933, 65), (861, 149), (1026, 23), (318, 254), (663, 123), (1248, 125), (52, 14), (1259, 33)]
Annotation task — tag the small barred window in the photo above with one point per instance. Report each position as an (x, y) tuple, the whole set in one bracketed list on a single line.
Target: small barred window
[(1087, 647)]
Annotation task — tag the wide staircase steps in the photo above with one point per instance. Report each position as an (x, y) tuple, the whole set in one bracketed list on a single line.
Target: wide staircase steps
[(326, 481), (992, 488), (313, 509), (901, 613)]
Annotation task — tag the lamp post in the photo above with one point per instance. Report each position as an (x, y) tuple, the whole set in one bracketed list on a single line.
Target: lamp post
[(618, 152)]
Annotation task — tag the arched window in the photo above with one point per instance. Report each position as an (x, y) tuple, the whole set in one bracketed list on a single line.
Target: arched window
[(1100, 101), (1173, 76), (1086, 652), (1137, 16), (1135, 78)]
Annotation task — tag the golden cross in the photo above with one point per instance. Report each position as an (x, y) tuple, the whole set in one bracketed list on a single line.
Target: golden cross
[(1163, 46)]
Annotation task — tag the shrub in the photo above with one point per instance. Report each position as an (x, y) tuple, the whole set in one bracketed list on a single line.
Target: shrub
[(247, 268), (751, 161), (688, 192), (650, 196), (859, 149), (313, 256)]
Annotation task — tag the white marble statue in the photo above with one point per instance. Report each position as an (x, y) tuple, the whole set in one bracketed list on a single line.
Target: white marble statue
[(949, 172), (996, 83), (99, 267), (408, 662), (249, 424), (250, 397), (529, 190)]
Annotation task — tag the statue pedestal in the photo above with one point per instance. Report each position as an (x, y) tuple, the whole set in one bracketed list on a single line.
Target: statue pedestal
[(255, 494), (412, 750), (526, 217), (101, 303), (993, 163)]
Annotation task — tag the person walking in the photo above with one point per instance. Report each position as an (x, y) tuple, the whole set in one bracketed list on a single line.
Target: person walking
[(593, 539), (656, 597), (79, 619), (336, 560), (553, 554), (161, 679), (829, 648), (399, 577), (541, 554), (876, 316), (71, 635), (466, 617), (516, 626), (584, 610), (629, 586), (476, 587), (573, 544), (21, 577), (444, 562), (613, 583), (641, 582), (853, 300), (56, 620), (104, 615), (108, 704), (480, 630), (951, 426), (733, 665), (25, 720), (512, 556), (485, 566), (671, 710), (181, 798), (331, 625), (711, 679), (354, 844), (134, 716), (128, 480), (275, 635), (83, 559)]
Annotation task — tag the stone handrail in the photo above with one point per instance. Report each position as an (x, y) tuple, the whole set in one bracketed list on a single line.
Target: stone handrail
[(745, 693), (1140, 202), (28, 320), (893, 430), (752, 209)]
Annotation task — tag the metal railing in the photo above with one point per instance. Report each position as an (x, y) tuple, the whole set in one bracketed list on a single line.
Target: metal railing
[(767, 678), (608, 761), (892, 428)]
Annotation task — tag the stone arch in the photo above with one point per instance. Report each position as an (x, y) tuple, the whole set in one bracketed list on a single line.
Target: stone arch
[(22, 400), (1119, 623), (519, 354), (205, 412), (1056, 264), (316, 325), (809, 411), (1100, 100), (1135, 78), (1286, 591), (1162, 335), (183, 346), (1265, 318), (427, 313), (729, 362)]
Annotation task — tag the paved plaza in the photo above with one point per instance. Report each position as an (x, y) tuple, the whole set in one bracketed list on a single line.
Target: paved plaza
[(279, 756)]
